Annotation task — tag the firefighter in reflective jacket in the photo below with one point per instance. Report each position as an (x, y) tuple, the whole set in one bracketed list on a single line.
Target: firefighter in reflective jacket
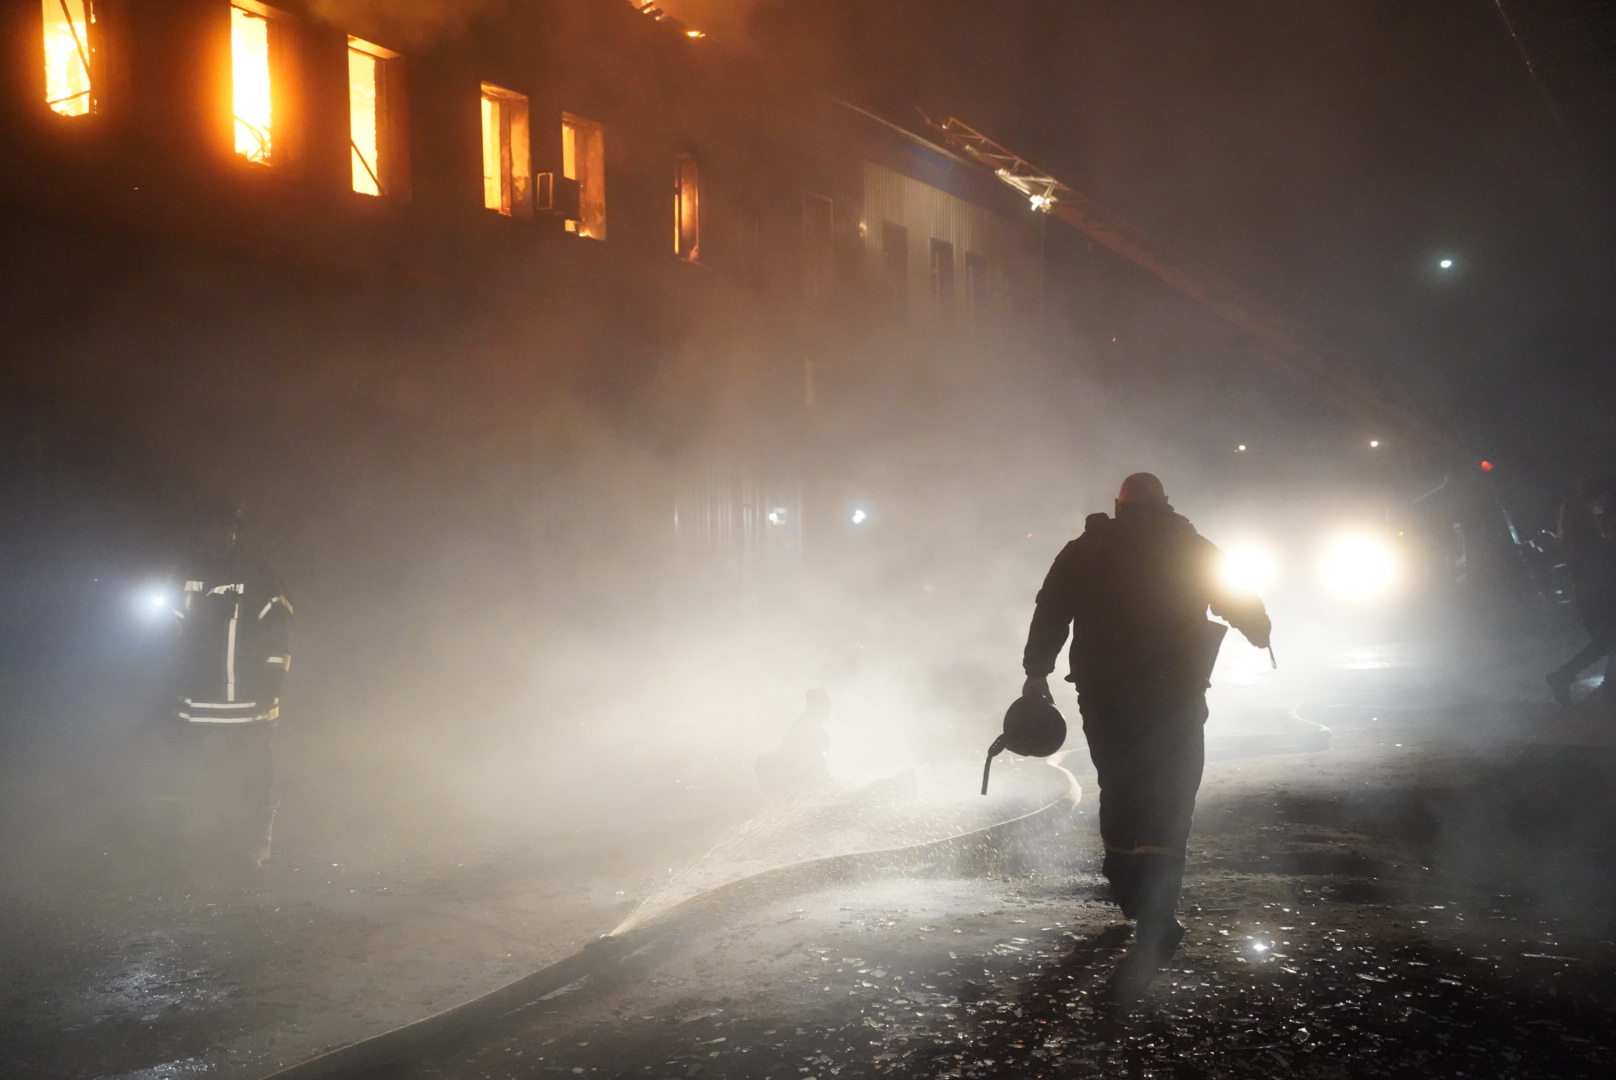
[(234, 652), (1133, 592)]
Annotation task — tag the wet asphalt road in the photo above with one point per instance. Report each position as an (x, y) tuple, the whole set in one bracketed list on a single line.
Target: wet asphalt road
[(129, 972), (1434, 895), (1423, 909)]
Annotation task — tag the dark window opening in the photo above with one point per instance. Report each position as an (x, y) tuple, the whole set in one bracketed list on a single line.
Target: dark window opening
[(895, 252), (942, 274)]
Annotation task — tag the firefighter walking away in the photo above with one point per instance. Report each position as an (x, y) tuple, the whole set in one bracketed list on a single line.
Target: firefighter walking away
[(234, 650), (1132, 593)]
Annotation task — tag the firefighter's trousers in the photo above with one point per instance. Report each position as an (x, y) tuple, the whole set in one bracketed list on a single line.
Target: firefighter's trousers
[(1148, 747), (219, 790)]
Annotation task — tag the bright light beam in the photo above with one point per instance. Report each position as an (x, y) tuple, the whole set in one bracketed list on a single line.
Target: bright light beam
[(1359, 568), (1246, 571), (149, 603)]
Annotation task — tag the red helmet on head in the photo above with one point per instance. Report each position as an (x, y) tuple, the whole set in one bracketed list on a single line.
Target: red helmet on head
[(1142, 487)]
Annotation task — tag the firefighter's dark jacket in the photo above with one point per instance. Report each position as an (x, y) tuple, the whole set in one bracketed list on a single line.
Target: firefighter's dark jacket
[(235, 641), (1133, 591)]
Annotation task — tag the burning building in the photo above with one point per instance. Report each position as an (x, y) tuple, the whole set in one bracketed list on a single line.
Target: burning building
[(270, 220)]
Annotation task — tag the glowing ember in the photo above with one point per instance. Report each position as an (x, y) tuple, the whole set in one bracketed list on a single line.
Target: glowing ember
[(67, 56), (249, 57)]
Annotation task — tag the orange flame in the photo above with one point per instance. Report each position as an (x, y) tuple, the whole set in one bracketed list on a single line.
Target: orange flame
[(249, 56), (67, 56)]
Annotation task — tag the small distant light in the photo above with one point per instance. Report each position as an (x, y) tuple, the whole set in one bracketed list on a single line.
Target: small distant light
[(1260, 946), (777, 515), (1486, 466), (1041, 202), (1446, 264), (694, 34), (1241, 449), (157, 600), (858, 517), (1374, 444)]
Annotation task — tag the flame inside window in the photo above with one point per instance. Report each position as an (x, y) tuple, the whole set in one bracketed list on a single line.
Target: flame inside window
[(250, 75), (686, 209), (507, 157), (363, 120), (67, 56), (493, 171), (583, 158)]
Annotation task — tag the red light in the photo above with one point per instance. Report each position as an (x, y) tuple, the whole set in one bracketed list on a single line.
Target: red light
[(1486, 466)]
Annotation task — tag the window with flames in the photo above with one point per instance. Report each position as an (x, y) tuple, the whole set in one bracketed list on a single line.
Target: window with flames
[(263, 82), (507, 158), (69, 56), (583, 158), (377, 145), (686, 208)]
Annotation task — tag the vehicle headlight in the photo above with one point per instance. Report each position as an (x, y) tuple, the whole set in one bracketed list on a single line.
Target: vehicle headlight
[(1246, 571), (1360, 567)]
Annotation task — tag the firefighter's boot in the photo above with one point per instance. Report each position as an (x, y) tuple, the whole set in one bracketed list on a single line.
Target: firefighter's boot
[(1121, 871), (1158, 880)]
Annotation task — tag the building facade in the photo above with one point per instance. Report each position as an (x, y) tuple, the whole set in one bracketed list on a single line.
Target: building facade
[(569, 275)]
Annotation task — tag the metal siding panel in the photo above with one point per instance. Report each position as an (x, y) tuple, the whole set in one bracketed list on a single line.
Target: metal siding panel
[(928, 212)]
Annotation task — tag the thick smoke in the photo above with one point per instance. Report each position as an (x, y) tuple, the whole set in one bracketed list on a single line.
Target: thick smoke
[(409, 22)]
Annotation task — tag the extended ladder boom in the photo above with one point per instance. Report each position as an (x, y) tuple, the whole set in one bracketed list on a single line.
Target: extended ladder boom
[(1332, 372)]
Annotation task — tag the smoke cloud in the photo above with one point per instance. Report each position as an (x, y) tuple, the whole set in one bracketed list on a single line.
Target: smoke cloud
[(409, 22)]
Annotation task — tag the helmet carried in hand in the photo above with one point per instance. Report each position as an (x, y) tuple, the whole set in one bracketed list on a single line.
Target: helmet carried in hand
[(1033, 727)]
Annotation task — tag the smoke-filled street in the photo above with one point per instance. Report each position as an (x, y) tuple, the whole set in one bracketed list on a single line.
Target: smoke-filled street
[(1425, 890), (786, 539)]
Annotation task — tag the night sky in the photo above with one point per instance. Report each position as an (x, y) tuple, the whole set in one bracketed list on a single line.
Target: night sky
[(1325, 155)]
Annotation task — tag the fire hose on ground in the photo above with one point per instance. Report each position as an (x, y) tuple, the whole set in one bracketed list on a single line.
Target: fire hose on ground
[(963, 851)]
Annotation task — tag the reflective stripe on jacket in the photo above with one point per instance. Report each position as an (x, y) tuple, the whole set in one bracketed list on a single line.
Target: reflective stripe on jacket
[(235, 642)]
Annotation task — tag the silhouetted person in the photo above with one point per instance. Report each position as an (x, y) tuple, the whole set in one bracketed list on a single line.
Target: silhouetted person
[(1589, 554), (799, 762), (234, 652), (1133, 592)]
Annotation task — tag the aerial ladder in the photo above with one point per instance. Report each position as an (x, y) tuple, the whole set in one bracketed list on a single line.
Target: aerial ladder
[(1331, 372)]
